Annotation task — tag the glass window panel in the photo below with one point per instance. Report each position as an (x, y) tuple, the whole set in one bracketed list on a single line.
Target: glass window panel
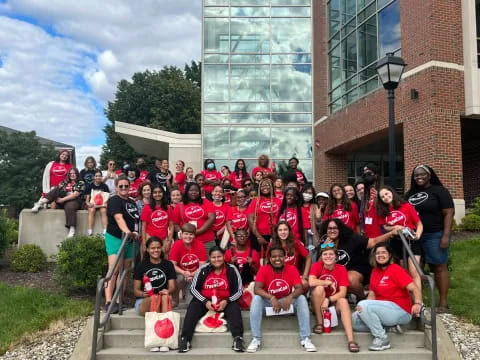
[(291, 35), (215, 118), (215, 83), (236, 118), (290, 11), (215, 107), (216, 2), (288, 142), (215, 11), (292, 107), (367, 42), (351, 83), (254, 59), (389, 28), (368, 72), (336, 93), (292, 59), (369, 10), (382, 3), (249, 107), (215, 58), (291, 83), (333, 16), (352, 96), (215, 35), (249, 2), (337, 105), (250, 11), (215, 142), (250, 35), (362, 3), (291, 118), (349, 52), (348, 9), (250, 82), (335, 68), (291, 2), (334, 41), (249, 142)]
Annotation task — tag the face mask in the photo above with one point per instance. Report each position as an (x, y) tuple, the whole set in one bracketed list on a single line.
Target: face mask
[(369, 180), (131, 178), (218, 197), (210, 166), (307, 197)]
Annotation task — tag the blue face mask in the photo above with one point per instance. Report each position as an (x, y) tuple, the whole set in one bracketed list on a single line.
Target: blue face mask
[(210, 166)]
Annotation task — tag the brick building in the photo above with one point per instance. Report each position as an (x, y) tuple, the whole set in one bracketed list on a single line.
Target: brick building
[(437, 104)]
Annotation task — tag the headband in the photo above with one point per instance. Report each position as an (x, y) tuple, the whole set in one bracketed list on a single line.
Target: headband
[(424, 168)]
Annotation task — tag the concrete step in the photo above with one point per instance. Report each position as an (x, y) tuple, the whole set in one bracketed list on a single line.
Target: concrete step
[(271, 339), (266, 353)]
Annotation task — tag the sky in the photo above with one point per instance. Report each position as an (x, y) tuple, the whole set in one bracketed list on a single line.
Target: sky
[(60, 61)]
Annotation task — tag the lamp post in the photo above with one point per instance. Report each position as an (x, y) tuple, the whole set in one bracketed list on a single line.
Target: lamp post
[(390, 69)]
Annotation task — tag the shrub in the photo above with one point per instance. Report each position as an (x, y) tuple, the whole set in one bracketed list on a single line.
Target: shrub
[(80, 260), (471, 222), (28, 258), (475, 208), (8, 231)]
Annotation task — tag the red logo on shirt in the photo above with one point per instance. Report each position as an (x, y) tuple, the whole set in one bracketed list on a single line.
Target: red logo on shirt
[(215, 283), (332, 289), (290, 259), (219, 217), (342, 215), (194, 212), (189, 262), (269, 207), (239, 221), (59, 170), (278, 286), (396, 218), (159, 218), (300, 179), (291, 218), (211, 177)]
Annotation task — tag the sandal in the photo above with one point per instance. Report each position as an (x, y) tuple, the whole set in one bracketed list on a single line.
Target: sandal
[(318, 329), (353, 347)]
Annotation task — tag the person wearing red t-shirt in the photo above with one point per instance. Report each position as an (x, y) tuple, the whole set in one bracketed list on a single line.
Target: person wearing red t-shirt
[(240, 174), (237, 215), (329, 282), (211, 175), (142, 168), (198, 212), (291, 212), (180, 178), (262, 215), (135, 181), (340, 207), (279, 286), (187, 255), (396, 213), (221, 212), (243, 257), (264, 166), (279, 188), (389, 301), (216, 287), (369, 221)]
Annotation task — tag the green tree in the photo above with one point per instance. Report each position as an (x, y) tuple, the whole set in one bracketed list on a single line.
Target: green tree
[(22, 161), (168, 99)]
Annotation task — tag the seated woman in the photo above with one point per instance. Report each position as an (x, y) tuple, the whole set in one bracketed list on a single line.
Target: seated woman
[(329, 282), (66, 195), (87, 174), (222, 280), (161, 274), (243, 257), (93, 206), (388, 302)]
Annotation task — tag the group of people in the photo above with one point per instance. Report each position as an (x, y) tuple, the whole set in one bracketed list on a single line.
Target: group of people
[(221, 230)]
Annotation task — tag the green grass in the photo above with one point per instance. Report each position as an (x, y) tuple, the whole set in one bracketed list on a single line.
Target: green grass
[(24, 311)]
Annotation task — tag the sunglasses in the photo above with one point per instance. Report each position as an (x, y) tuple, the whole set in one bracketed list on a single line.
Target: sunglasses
[(123, 186), (329, 245)]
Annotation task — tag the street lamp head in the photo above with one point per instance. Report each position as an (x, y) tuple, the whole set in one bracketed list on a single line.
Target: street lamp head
[(390, 69)]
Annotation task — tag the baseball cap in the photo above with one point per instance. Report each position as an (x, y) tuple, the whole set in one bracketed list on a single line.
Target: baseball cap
[(322, 194)]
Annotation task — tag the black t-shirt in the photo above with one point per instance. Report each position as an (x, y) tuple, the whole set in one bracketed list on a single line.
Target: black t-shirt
[(352, 252), (159, 274), (158, 177), (429, 204), (88, 175), (126, 207), (92, 186)]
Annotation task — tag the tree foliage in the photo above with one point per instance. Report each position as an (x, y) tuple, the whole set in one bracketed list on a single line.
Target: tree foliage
[(168, 99), (22, 161)]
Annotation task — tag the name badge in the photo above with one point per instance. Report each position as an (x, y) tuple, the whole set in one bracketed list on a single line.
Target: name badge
[(368, 220)]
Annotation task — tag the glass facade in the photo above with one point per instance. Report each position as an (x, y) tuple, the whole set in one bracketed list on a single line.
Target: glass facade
[(360, 32), (257, 81)]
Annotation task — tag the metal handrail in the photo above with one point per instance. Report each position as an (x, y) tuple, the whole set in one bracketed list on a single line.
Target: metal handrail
[(97, 323), (431, 284)]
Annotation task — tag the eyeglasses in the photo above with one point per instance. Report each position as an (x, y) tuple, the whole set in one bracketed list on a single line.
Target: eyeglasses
[(330, 245), (332, 228), (111, 164), (123, 186), (248, 184)]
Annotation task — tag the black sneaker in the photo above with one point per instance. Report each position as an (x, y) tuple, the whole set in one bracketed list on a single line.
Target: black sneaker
[(184, 345), (238, 344), (114, 308)]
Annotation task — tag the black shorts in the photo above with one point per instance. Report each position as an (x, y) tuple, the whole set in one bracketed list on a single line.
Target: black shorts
[(397, 247)]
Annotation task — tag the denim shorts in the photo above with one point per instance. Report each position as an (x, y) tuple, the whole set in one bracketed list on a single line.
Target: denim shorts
[(432, 251)]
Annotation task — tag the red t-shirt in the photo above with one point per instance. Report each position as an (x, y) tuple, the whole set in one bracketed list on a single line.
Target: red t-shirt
[(293, 259), (290, 215), (265, 208), (278, 284), (58, 173), (236, 180), (216, 284), (390, 284), (221, 213), (188, 259), (238, 218), (180, 180), (262, 169), (156, 220), (242, 257), (405, 215), (279, 194), (211, 175), (338, 276), (306, 216), (371, 227), (133, 190), (196, 214), (349, 218), (143, 175), (300, 177)]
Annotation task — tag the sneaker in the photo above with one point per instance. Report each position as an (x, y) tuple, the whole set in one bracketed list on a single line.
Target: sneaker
[(114, 308), (238, 345), (395, 329), (155, 349), (308, 345), (71, 232), (254, 345), (163, 349), (89, 232), (36, 207), (184, 345), (379, 344)]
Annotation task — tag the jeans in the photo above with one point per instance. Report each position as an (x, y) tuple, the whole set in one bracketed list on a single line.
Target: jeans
[(138, 301), (376, 314), (301, 309)]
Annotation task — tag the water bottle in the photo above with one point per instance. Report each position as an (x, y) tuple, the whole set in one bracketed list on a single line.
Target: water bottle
[(327, 317), (214, 299), (147, 285)]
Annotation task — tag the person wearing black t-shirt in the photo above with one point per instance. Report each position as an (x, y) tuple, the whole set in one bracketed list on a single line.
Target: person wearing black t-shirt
[(87, 174), (162, 175), (161, 273), (122, 214), (96, 202), (352, 251), (435, 207)]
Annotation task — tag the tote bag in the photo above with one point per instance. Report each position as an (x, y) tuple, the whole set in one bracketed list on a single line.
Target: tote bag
[(212, 322), (99, 198), (161, 329)]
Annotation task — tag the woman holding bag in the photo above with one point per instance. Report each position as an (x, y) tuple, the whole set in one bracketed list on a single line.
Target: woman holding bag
[(216, 286)]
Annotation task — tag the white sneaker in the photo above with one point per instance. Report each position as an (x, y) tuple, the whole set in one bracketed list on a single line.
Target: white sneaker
[(254, 345), (36, 207), (71, 232), (89, 232), (164, 349), (307, 345), (155, 349)]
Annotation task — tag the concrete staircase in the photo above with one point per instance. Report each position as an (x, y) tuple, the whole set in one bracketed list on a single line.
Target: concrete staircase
[(125, 335)]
